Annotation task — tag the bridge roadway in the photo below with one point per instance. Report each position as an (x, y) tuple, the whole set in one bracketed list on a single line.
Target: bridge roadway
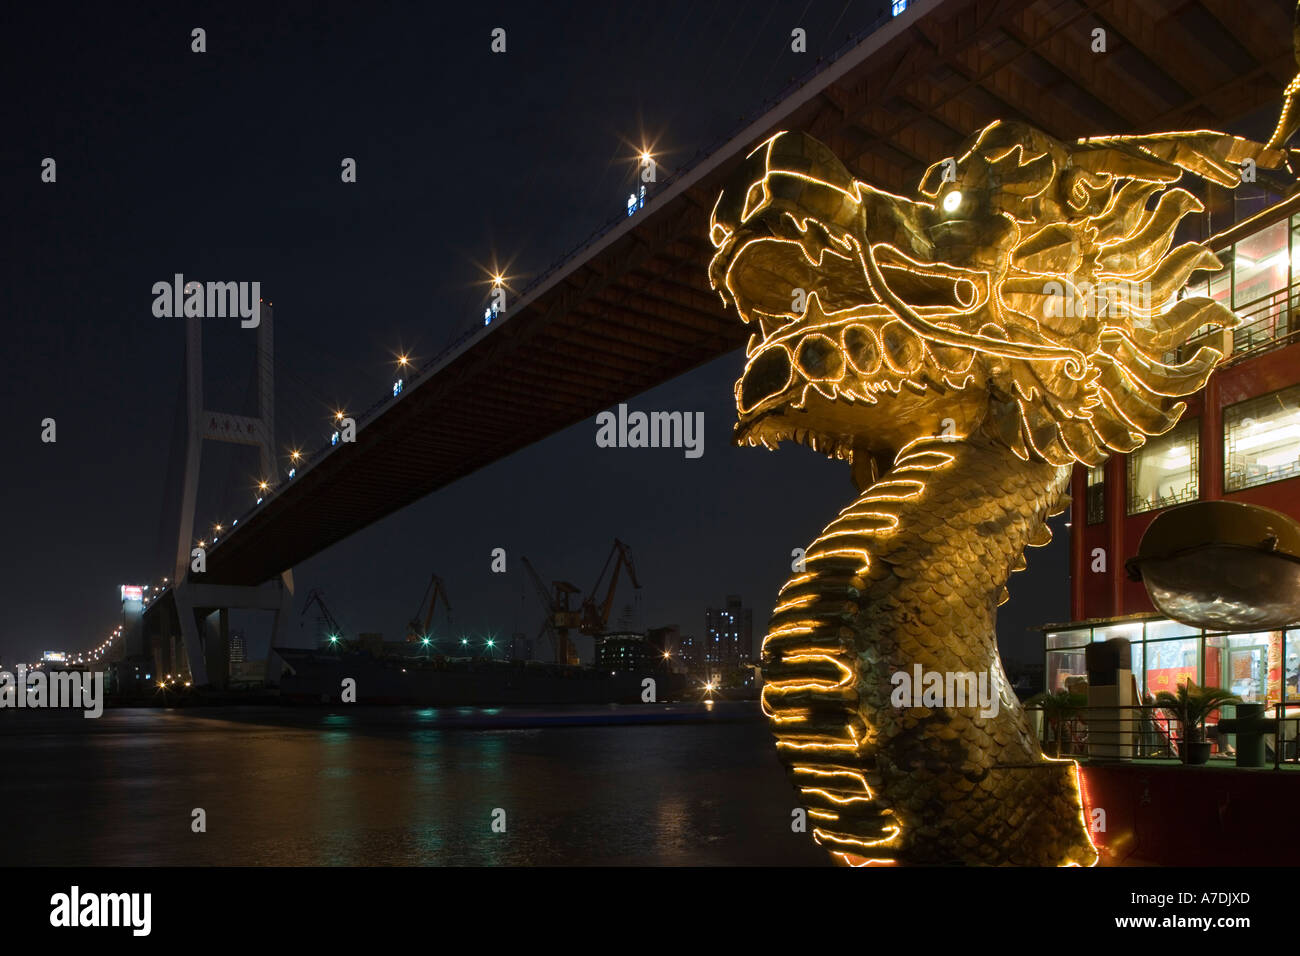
[(633, 308)]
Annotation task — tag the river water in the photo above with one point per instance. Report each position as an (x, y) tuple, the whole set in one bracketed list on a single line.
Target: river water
[(397, 786)]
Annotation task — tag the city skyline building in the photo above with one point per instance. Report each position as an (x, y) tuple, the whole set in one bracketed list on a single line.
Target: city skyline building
[(728, 634)]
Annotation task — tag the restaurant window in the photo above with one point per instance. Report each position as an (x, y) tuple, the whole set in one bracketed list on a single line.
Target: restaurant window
[(1260, 266), (1291, 666), (1159, 630), (1261, 272), (1062, 665), (1077, 637), (1170, 663), (1261, 440), (1219, 284), (1248, 665), (1293, 302), (1164, 471), (1096, 494), (1130, 630)]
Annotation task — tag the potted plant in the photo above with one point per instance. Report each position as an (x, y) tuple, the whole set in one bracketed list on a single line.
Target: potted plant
[(1191, 705), (1058, 708)]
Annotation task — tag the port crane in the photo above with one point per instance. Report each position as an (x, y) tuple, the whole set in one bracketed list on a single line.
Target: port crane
[(414, 632), (317, 596), (595, 618), (561, 616)]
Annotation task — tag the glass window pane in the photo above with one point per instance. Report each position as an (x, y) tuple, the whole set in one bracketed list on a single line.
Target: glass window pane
[(1158, 630), (1220, 283), (1164, 471), (1260, 265), (1261, 271), (1170, 663), (1261, 440), (1248, 665), (1291, 666), (1130, 629), (1096, 494), (1062, 665), (1077, 637)]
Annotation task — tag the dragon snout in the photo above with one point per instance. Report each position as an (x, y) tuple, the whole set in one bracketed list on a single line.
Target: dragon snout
[(766, 377)]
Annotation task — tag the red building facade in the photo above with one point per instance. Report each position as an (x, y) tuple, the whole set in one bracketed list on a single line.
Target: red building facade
[(1239, 439)]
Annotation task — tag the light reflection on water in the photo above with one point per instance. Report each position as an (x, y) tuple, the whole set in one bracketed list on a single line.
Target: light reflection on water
[(394, 786)]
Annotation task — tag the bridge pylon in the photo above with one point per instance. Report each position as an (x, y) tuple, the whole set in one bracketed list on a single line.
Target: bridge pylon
[(204, 639)]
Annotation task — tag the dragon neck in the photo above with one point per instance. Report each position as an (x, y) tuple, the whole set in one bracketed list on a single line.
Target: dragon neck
[(911, 573)]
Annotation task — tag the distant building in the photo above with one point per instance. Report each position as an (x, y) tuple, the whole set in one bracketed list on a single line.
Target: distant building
[(129, 676), (624, 651), (665, 643), (689, 653), (238, 648), (728, 635)]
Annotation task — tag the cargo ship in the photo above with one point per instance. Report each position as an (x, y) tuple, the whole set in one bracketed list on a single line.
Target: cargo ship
[(316, 677)]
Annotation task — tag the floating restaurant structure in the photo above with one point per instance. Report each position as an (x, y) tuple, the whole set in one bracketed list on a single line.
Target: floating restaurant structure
[(1238, 441)]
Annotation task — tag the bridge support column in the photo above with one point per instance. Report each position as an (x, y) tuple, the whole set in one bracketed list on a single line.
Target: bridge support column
[(280, 629), (216, 648), (206, 641)]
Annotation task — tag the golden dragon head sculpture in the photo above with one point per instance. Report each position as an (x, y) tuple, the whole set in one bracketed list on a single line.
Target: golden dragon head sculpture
[(962, 348), (1029, 291)]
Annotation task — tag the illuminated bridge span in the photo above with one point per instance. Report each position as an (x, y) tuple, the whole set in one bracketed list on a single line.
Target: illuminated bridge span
[(632, 309)]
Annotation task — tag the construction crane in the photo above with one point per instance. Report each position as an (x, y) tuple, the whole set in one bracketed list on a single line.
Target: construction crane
[(317, 596), (561, 616), (414, 632), (595, 619)]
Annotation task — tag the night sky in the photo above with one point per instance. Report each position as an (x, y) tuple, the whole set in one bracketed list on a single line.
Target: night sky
[(225, 166)]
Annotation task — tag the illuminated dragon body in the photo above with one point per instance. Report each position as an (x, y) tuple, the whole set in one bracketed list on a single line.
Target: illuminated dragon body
[(962, 350)]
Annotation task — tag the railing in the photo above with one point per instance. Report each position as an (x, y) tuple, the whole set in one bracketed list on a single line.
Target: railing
[(1146, 731), (1142, 731), (1286, 736), (1270, 322)]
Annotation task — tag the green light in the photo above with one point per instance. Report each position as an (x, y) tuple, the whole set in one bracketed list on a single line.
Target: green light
[(334, 638), (425, 642), (491, 643), (464, 641)]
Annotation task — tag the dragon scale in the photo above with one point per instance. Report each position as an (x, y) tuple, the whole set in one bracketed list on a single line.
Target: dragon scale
[(901, 578)]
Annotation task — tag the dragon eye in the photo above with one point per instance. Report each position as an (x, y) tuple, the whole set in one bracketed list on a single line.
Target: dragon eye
[(952, 201)]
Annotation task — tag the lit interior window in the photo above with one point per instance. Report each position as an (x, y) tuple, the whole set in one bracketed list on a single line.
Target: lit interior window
[(1261, 270), (1164, 471), (1261, 440), (1260, 265)]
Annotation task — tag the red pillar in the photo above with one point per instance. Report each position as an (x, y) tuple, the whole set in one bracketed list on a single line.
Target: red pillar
[(1116, 515), (1078, 524)]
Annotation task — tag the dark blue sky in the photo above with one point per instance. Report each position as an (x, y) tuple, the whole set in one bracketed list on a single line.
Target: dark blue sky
[(225, 166)]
